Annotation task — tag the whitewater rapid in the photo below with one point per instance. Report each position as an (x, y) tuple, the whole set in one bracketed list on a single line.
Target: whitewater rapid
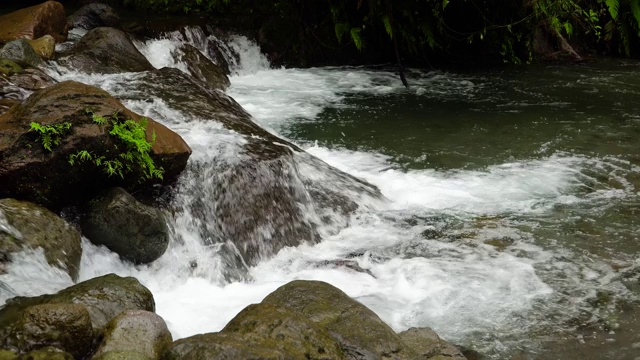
[(468, 291)]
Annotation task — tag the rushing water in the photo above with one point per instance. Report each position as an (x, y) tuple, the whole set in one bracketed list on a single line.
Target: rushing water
[(509, 224)]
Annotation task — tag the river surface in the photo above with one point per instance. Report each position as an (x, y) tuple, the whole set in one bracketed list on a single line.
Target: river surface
[(510, 218)]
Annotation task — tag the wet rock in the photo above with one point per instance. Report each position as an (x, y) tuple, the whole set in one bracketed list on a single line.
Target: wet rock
[(135, 331), (23, 156), (105, 50), (104, 297), (63, 326), (204, 69), (40, 228), (17, 84), (348, 264), (34, 22), (45, 46), (136, 232), (261, 331), (360, 332), (21, 52), (263, 200), (428, 345), (94, 15)]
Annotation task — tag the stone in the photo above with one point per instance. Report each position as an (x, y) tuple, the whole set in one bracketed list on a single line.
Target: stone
[(121, 355), (21, 52), (48, 18), (23, 156), (40, 228), (261, 331), (360, 332), (48, 353), (202, 68), (63, 326), (136, 232), (7, 355), (428, 345), (105, 50), (94, 15), (8, 67), (135, 331), (45, 46), (104, 298)]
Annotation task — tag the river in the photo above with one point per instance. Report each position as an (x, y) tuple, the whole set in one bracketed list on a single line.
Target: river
[(511, 198)]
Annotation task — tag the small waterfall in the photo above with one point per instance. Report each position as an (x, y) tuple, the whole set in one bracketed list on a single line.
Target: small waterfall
[(7, 228)]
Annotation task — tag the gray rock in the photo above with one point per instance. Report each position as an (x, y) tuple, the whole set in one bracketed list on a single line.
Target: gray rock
[(40, 228), (94, 15), (105, 50), (135, 331), (121, 355), (136, 232), (21, 52)]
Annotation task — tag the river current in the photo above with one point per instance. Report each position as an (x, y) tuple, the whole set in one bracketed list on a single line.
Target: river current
[(509, 222)]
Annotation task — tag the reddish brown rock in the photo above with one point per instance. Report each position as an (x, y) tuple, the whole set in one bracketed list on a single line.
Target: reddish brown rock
[(28, 171), (34, 22)]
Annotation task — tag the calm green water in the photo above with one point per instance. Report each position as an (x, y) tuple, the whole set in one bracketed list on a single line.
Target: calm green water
[(456, 123)]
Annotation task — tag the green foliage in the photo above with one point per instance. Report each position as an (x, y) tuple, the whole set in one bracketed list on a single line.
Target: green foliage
[(131, 145), (50, 135), (624, 26)]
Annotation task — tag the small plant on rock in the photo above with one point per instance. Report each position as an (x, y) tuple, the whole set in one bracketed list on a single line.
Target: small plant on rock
[(131, 145), (50, 135)]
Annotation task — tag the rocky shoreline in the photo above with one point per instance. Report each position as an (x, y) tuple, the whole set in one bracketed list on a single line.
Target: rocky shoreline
[(83, 152)]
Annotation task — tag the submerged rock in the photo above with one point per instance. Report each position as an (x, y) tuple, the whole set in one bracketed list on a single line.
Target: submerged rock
[(23, 156), (259, 196), (21, 52), (204, 69), (64, 326), (135, 331), (94, 15), (136, 232), (105, 50), (104, 297), (40, 228), (34, 22)]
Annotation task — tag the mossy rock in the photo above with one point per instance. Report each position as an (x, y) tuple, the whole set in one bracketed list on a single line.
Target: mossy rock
[(104, 297), (8, 67), (135, 331), (261, 331), (8, 355), (45, 46), (359, 330), (63, 326), (46, 354), (40, 228), (121, 355), (428, 345)]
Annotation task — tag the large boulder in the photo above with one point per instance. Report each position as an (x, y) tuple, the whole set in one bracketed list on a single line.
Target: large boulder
[(34, 22), (261, 331), (135, 331), (105, 50), (36, 227), (21, 52), (22, 157), (103, 297), (202, 68), (63, 326), (94, 15), (136, 232), (262, 200), (360, 332)]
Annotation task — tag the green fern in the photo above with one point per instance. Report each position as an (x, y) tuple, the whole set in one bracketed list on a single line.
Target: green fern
[(50, 135)]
